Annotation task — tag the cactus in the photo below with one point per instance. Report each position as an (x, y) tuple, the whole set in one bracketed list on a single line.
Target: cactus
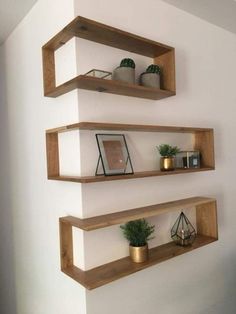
[(153, 68), (129, 63)]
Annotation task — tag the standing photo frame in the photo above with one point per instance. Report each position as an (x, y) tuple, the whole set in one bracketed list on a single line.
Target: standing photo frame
[(114, 158)]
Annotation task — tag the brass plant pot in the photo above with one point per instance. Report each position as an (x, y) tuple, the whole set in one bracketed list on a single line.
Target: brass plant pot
[(167, 163), (138, 254)]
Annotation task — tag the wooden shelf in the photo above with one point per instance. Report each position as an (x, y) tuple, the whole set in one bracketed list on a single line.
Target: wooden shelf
[(206, 218), (136, 175), (203, 141), (127, 127), (107, 273), (162, 55), (109, 86), (124, 216)]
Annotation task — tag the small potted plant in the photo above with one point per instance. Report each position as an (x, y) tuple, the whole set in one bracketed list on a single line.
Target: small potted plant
[(151, 77), (138, 232), (125, 72), (168, 153)]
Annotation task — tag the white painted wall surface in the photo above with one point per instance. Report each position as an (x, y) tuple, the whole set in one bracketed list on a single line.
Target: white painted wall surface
[(29, 230), (203, 281)]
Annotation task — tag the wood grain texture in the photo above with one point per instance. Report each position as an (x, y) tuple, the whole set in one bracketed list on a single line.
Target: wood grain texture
[(204, 142), (136, 175), (110, 36), (53, 167), (167, 63), (124, 216), (109, 86), (66, 245), (49, 75), (133, 128), (206, 215), (103, 34), (107, 273)]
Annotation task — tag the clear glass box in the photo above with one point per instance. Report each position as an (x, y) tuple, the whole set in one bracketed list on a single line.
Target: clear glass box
[(99, 74), (188, 159)]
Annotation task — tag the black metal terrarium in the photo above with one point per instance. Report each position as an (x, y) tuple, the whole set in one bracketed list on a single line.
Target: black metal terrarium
[(183, 233)]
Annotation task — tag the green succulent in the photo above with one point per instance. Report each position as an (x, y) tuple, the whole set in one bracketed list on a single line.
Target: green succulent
[(127, 62), (138, 232), (153, 68), (166, 150)]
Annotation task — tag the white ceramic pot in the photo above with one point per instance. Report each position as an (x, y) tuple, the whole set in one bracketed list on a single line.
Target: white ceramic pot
[(150, 80), (124, 74)]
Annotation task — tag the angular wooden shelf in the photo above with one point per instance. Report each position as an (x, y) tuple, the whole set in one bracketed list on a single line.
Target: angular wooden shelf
[(162, 55), (136, 175), (111, 87), (206, 218), (103, 221), (203, 141)]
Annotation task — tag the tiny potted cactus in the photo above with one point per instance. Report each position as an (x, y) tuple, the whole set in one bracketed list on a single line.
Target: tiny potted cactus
[(125, 72), (168, 153), (138, 234), (151, 77)]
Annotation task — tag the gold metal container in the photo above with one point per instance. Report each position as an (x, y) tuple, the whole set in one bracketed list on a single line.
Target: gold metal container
[(138, 254), (167, 163)]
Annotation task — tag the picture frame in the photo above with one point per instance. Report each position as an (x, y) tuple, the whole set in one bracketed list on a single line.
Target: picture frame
[(114, 158)]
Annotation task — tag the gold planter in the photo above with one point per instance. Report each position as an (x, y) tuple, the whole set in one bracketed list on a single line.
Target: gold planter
[(138, 254), (167, 163)]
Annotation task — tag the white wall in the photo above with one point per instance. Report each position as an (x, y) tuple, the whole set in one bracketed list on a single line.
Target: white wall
[(202, 281), (29, 219)]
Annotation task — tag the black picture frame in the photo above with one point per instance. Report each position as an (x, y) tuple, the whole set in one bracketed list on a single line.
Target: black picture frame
[(114, 157)]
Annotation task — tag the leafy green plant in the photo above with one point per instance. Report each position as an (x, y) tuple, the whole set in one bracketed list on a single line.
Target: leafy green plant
[(166, 150), (153, 68), (138, 232), (127, 62)]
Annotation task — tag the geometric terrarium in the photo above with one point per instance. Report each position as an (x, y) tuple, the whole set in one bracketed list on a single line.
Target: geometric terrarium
[(183, 233)]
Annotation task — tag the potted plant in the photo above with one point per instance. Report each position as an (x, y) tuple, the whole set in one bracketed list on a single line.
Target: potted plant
[(138, 232), (125, 72), (168, 153), (151, 77)]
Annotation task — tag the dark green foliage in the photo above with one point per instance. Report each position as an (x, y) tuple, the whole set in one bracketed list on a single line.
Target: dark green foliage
[(166, 150), (129, 63), (153, 68), (138, 232)]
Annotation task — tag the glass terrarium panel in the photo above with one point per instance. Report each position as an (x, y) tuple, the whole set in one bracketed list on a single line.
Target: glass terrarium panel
[(188, 159), (99, 74)]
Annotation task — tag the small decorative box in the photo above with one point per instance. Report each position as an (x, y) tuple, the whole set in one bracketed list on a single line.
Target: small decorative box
[(188, 159), (99, 74)]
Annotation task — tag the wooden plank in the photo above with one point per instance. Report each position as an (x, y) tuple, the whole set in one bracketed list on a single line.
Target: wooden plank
[(53, 167), (129, 127), (136, 175), (103, 221), (107, 273), (49, 75), (206, 215), (107, 35), (167, 64), (204, 142), (66, 244), (109, 86)]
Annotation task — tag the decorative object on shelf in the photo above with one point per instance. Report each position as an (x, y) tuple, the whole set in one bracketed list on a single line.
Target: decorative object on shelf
[(168, 153), (188, 159), (125, 72), (138, 234), (113, 155), (183, 233), (99, 74), (151, 77)]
